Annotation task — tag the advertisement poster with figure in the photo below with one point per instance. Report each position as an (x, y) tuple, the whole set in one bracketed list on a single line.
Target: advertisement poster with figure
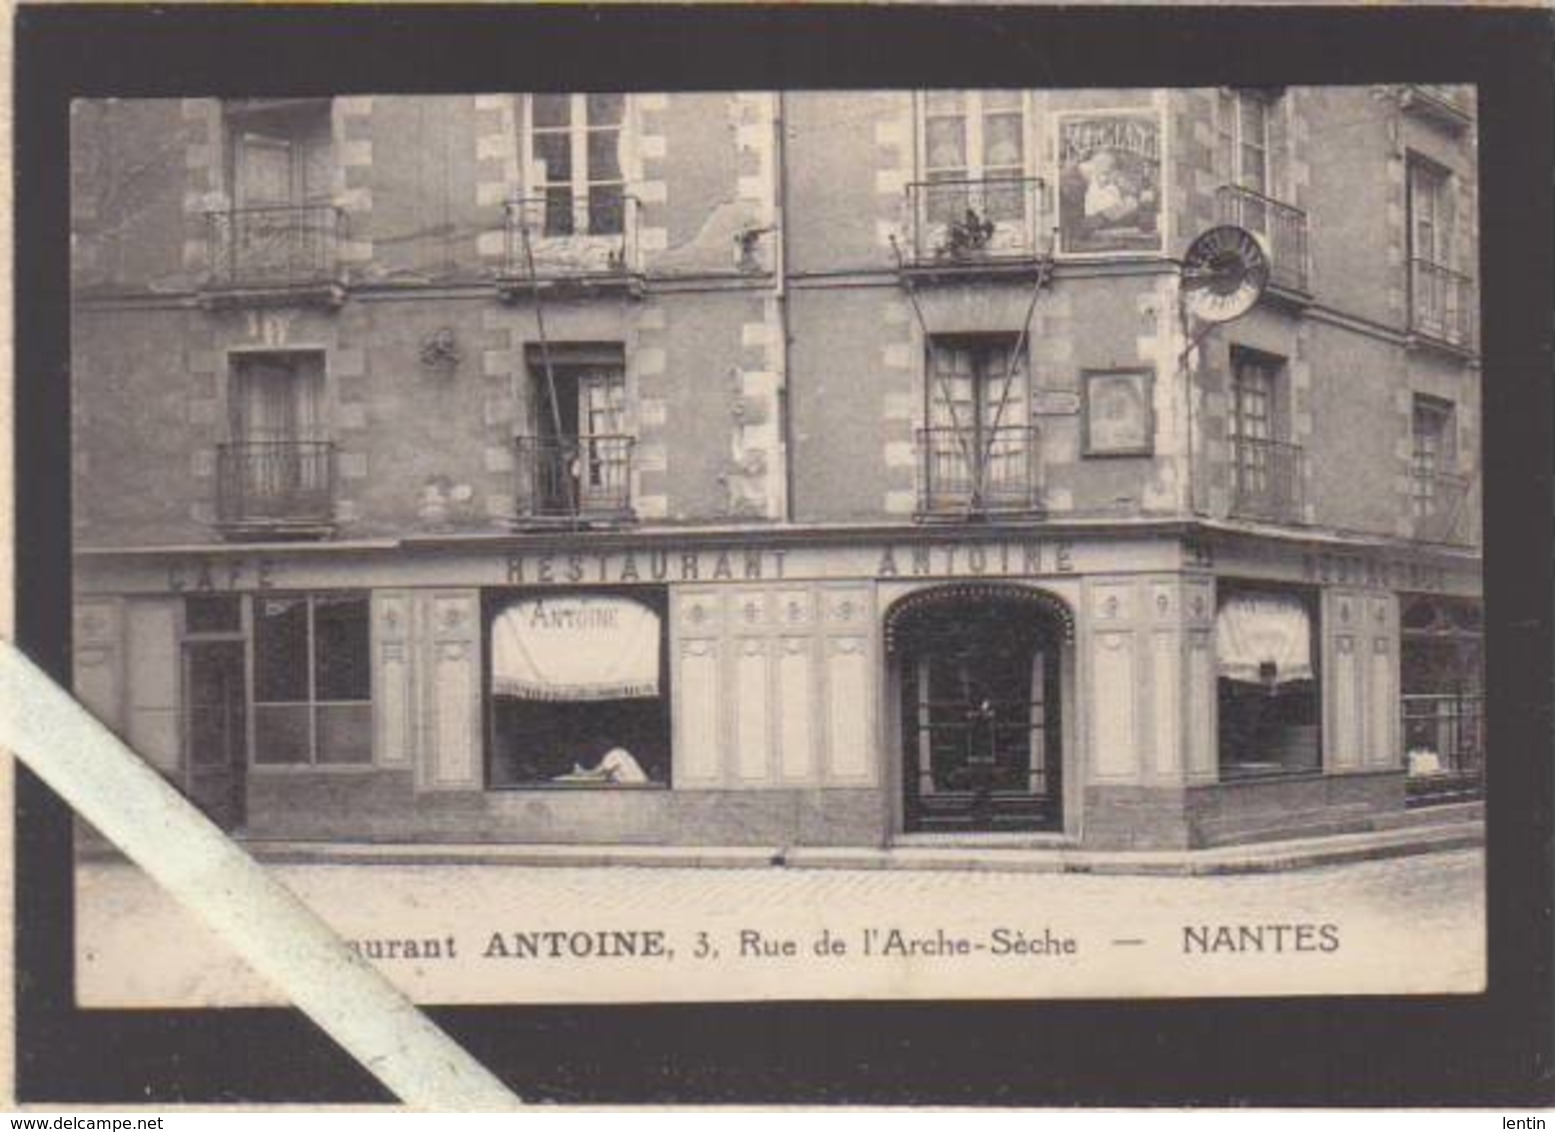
[(1109, 194)]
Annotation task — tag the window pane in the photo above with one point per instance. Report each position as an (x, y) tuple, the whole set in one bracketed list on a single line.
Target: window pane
[(281, 734), (212, 615), (947, 143), (1002, 142), (604, 155), (552, 109), (607, 209), (558, 212), (340, 649), (606, 109), (345, 733), (280, 650), (553, 152)]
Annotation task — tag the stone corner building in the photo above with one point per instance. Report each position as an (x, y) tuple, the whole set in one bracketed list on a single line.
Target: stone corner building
[(789, 468)]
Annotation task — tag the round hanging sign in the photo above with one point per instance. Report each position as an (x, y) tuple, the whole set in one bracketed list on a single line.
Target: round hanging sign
[(1223, 273)]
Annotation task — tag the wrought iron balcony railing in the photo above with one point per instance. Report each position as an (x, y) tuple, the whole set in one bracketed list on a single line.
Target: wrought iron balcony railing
[(1441, 304), (966, 471), (279, 483), (1267, 479), (275, 246), (1282, 227), (975, 222), (574, 477), (1438, 502), (556, 238)]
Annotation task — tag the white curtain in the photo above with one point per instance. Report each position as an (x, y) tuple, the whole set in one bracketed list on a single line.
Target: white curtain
[(1255, 630), (575, 648)]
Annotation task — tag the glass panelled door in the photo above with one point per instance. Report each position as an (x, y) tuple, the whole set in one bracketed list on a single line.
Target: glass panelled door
[(980, 726), (215, 729)]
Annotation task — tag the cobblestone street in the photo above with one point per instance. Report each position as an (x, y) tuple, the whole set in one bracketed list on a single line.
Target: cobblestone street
[(732, 933)]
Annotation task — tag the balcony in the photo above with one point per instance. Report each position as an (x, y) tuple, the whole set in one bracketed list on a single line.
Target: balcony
[(1266, 480), (1438, 103), (964, 473), (573, 479), (1282, 228), (279, 254), (557, 243), (281, 488), (1441, 305), (959, 228), (1438, 502)]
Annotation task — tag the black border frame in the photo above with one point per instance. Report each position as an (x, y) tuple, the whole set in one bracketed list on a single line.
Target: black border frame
[(1491, 1049)]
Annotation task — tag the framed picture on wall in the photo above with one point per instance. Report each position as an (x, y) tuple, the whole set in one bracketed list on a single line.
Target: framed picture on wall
[(1116, 417)]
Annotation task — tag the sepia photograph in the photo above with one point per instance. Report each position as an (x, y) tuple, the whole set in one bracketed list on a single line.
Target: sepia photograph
[(660, 556), (938, 543)]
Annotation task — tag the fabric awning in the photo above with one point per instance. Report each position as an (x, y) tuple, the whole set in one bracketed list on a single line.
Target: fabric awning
[(1253, 631), (575, 648)]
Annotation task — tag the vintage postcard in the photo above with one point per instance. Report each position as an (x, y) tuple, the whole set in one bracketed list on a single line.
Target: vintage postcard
[(641, 546)]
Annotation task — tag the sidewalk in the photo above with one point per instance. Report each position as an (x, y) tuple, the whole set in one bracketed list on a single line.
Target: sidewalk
[(1417, 831)]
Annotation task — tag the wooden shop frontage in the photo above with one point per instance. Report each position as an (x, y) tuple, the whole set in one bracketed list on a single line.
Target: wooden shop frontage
[(1107, 685)]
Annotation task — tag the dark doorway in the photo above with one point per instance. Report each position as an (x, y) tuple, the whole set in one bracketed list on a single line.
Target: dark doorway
[(980, 713), (216, 729)]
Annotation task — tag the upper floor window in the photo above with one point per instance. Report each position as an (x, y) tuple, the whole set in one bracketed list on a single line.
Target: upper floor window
[(978, 451), (277, 467), (280, 152), (280, 227), (1266, 469), (972, 134), (1434, 448), (1243, 151), (577, 459), (1438, 495), (1430, 212), (573, 154)]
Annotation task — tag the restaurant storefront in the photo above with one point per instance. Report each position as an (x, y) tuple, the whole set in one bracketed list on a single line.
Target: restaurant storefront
[(1110, 686)]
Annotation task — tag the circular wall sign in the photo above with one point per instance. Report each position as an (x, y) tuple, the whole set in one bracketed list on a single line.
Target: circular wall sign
[(1223, 274)]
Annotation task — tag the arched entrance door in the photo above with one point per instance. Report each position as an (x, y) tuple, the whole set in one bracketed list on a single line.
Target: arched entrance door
[(979, 669)]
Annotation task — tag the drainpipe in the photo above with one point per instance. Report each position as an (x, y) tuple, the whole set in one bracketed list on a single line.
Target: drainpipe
[(780, 296)]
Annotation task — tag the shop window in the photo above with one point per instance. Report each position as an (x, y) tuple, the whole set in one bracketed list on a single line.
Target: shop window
[(1442, 683), (1265, 643), (574, 155), (312, 680), (578, 693)]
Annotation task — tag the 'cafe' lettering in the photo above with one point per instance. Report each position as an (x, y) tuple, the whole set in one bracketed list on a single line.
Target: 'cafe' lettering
[(207, 576)]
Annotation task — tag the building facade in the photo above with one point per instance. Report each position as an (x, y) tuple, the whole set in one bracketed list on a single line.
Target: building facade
[(780, 468)]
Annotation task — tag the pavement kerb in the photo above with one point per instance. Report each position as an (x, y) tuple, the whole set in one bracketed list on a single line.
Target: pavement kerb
[(1261, 857)]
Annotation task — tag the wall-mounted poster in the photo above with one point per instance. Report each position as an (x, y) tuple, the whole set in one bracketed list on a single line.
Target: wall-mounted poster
[(1109, 185), (1117, 414)]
